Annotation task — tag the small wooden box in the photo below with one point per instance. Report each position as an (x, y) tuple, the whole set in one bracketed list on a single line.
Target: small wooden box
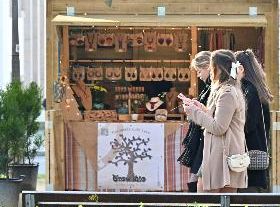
[(100, 115)]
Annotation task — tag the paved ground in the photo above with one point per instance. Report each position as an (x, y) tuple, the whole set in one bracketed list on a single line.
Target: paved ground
[(41, 182)]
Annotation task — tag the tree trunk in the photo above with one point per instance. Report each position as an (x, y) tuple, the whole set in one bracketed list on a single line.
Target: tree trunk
[(130, 174)]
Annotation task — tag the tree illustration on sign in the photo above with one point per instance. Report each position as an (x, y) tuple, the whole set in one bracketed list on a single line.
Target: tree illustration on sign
[(128, 151)]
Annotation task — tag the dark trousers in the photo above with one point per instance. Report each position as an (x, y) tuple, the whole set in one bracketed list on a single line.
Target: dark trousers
[(192, 187)]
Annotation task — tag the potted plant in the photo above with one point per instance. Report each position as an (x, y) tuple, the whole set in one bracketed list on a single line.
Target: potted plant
[(30, 105), (11, 143)]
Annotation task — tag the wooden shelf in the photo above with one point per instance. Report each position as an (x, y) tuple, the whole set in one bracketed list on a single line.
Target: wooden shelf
[(129, 61), (177, 116)]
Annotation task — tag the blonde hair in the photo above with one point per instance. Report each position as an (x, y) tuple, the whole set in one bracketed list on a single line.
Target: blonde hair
[(201, 60)]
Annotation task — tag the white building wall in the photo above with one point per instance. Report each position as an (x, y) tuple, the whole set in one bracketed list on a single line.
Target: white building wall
[(33, 62), (5, 43), (32, 17)]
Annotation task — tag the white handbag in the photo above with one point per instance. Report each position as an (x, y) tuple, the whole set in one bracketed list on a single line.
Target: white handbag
[(238, 162)]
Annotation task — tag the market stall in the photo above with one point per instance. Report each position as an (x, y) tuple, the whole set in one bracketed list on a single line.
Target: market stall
[(118, 78)]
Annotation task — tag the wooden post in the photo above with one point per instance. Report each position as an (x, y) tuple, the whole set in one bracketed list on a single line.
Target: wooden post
[(55, 160), (65, 52), (275, 152), (193, 86)]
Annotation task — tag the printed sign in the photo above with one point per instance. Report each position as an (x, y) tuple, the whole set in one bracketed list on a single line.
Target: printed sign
[(130, 156)]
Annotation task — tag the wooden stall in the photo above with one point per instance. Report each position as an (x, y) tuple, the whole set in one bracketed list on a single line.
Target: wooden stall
[(199, 21)]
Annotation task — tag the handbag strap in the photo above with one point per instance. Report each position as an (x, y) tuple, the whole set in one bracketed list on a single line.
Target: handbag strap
[(246, 148), (264, 129)]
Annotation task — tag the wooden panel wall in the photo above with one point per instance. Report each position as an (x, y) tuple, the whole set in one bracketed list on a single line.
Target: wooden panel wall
[(55, 154), (275, 152)]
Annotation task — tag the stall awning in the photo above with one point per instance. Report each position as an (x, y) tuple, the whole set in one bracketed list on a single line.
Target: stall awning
[(165, 21)]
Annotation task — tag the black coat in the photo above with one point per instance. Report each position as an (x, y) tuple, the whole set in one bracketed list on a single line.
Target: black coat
[(193, 142), (254, 130)]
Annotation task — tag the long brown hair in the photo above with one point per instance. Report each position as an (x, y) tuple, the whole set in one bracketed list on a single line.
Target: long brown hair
[(254, 73), (222, 60)]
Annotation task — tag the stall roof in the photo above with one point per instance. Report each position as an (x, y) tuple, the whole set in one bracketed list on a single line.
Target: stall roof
[(166, 21)]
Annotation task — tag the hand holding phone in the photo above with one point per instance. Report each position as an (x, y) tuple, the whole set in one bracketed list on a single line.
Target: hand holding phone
[(184, 99)]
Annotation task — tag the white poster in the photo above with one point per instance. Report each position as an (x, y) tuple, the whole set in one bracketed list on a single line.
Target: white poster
[(131, 156)]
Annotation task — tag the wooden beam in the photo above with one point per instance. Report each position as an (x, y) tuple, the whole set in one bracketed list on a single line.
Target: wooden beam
[(65, 52), (273, 144), (166, 21), (194, 86)]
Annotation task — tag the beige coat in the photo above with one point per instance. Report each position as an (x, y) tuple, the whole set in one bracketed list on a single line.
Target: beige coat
[(223, 135)]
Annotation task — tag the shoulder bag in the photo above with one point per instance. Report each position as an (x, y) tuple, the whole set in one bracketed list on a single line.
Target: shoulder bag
[(259, 160), (238, 162)]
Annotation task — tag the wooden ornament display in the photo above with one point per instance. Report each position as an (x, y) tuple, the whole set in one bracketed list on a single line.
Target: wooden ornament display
[(106, 40), (121, 42), (130, 73), (90, 42), (145, 74), (170, 74), (150, 41), (180, 41), (113, 73), (94, 73), (184, 74), (157, 74), (80, 39), (164, 40), (78, 73)]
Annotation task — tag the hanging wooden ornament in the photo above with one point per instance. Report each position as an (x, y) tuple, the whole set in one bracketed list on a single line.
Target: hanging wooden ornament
[(90, 42), (80, 39), (150, 43), (157, 74), (94, 73), (145, 74), (170, 74), (113, 73), (180, 41), (73, 40), (121, 42), (165, 40), (184, 74), (106, 40), (130, 73), (138, 39), (130, 40), (78, 73)]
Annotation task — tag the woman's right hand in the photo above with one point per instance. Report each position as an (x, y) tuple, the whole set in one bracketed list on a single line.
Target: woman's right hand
[(199, 105)]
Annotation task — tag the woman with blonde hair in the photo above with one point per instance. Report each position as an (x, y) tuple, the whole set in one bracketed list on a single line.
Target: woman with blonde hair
[(223, 119), (193, 143), (257, 125)]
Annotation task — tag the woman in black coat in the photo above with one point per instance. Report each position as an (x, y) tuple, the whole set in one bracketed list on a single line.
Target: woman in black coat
[(193, 143), (257, 96)]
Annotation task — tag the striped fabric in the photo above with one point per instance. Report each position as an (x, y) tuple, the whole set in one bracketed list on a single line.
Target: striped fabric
[(81, 160)]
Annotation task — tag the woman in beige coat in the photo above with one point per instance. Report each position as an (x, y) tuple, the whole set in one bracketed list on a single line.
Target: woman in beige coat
[(223, 120)]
